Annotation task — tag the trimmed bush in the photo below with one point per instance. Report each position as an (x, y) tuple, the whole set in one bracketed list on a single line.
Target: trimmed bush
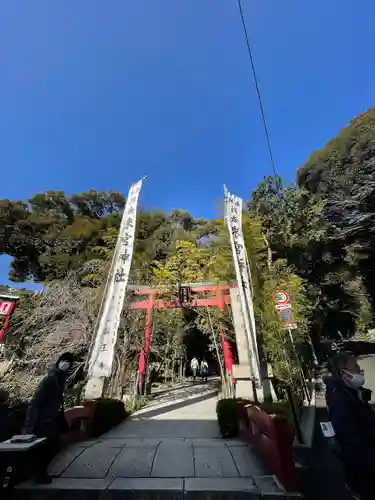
[(226, 411), (107, 413), (281, 408)]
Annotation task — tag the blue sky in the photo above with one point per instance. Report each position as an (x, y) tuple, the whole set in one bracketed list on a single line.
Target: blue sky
[(96, 94)]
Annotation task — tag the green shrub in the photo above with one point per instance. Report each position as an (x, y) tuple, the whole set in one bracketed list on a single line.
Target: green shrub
[(281, 408), (227, 417), (107, 414), (135, 403)]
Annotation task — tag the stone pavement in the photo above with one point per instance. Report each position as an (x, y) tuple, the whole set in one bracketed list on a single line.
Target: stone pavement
[(170, 449)]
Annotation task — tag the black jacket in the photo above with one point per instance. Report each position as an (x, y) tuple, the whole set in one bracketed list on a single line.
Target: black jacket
[(353, 421), (4, 422), (44, 415)]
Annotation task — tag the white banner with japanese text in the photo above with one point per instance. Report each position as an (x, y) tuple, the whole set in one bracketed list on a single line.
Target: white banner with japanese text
[(233, 217), (103, 351)]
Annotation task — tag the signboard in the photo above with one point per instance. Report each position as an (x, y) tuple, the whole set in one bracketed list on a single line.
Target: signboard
[(280, 307), (284, 309), (184, 295), (281, 298), (6, 307), (286, 315)]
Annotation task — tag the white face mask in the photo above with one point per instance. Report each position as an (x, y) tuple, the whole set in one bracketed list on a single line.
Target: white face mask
[(354, 380), (64, 366)]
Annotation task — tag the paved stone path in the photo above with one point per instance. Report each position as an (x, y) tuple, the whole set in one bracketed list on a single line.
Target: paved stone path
[(170, 449)]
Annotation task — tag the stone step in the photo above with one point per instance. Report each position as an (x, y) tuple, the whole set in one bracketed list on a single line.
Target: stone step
[(242, 488)]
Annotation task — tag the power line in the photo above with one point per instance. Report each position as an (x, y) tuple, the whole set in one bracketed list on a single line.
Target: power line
[(257, 89)]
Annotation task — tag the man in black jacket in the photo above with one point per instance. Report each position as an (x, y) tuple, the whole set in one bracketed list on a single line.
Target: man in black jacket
[(354, 423), (45, 415), (4, 416)]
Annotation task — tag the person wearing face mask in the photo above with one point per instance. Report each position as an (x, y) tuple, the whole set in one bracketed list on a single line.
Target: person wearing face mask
[(353, 421), (45, 414)]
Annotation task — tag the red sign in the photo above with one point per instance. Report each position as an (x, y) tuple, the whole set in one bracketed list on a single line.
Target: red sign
[(281, 297), (6, 307)]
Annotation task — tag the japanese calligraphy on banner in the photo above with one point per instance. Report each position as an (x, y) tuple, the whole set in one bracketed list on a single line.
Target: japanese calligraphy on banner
[(102, 354), (233, 217)]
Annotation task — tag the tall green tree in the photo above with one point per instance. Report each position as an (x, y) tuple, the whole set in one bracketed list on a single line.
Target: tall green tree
[(296, 229), (342, 174)]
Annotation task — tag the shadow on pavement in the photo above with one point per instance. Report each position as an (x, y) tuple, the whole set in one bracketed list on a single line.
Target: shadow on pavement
[(179, 393), (145, 415), (169, 390), (359, 347), (165, 429), (365, 356)]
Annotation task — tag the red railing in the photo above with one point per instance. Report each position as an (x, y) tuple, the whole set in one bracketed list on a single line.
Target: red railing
[(272, 439), (79, 420)]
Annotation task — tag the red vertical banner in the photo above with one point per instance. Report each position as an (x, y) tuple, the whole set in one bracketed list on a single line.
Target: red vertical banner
[(143, 356), (227, 350)]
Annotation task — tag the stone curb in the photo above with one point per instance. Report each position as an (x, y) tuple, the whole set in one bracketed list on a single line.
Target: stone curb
[(307, 422), (302, 452), (244, 488)]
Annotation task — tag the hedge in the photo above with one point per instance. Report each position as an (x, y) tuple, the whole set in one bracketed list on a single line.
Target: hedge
[(227, 417), (107, 413)]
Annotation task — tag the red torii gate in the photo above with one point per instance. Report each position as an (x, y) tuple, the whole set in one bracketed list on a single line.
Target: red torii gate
[(220, 299)]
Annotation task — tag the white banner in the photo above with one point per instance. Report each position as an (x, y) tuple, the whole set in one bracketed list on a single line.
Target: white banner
[(233, 217), (102, 355)]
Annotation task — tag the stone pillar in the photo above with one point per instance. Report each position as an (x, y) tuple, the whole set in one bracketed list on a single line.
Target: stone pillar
[(241, 372), (239, 328), (94, 389)]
